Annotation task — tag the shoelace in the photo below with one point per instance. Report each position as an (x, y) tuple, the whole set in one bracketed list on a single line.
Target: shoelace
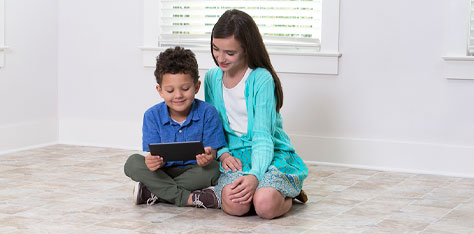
[(197, 202), (151, 200)]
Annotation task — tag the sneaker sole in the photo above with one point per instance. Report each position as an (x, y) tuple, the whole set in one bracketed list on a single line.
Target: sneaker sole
[(136, 189)]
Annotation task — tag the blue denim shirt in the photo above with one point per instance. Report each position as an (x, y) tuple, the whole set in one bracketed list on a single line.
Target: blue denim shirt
[(202, 124)]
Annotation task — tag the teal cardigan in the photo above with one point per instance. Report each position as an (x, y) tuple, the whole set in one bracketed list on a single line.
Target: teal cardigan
[(265, 132)]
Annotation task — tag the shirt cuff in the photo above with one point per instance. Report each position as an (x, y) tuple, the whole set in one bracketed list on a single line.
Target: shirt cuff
[(221, 151)]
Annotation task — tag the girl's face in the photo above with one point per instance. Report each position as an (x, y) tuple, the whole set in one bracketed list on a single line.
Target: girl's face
[(229, 54)]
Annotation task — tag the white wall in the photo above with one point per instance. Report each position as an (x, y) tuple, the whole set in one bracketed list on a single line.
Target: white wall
[(28, 82), (390, 106), (103, 89)]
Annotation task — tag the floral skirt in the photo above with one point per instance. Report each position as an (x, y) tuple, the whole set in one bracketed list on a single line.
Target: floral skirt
[(285, 174)]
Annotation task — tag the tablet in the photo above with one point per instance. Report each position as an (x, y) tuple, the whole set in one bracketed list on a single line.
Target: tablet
[(177, 151)]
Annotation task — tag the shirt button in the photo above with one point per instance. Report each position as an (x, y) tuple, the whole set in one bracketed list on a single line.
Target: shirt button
[(180, 131)]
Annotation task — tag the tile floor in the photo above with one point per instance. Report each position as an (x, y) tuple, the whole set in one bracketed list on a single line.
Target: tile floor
[(74, 189)]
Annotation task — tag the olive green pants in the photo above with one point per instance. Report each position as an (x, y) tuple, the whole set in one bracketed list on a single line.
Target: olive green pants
[(172, 184)]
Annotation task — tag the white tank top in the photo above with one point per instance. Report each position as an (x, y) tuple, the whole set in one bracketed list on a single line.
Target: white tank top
[(234, 101)]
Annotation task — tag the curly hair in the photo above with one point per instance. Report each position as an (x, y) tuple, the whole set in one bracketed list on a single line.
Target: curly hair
[(176, 60)]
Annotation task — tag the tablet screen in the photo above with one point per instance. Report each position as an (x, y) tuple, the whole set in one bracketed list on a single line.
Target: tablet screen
[(177, 151)]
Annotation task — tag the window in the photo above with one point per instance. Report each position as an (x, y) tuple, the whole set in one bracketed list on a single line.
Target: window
[(304, 35), (2, 33), (458, 38), (292, 26)]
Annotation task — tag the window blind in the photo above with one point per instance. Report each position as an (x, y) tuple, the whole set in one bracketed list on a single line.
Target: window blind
[(471, 30), (285, 25)]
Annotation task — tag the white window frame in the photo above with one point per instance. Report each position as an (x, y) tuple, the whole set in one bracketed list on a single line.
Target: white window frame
[(324, 62), (2, 33), (457, 64)]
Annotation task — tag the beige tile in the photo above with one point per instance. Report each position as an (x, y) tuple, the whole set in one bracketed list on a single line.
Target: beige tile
[(277, 229), (429, 211), (92, 229), (190, 223), (336, 230), (402, 225), (448, 201), (459, 217), (79, 189), (355, 194), (123, 223), (352, 223), (447, 228), (296, 220), (372, 210)]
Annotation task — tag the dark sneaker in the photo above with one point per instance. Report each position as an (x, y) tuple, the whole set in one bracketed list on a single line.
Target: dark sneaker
[(302, 197), (142, 195), (205, 198)]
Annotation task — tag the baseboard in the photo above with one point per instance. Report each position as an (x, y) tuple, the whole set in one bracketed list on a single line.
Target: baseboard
[(28, 148), (411, 157), (104, 145), (27, 135), (389, 169)]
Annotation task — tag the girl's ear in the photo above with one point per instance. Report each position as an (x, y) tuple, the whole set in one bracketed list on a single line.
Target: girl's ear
[(197, 86)]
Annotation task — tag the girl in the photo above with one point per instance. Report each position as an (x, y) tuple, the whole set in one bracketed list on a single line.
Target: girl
[(259, 165)]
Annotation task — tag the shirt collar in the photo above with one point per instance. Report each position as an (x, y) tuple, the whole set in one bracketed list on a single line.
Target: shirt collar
[(165, 117)]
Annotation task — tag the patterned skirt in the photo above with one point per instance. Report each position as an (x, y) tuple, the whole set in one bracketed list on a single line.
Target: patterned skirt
[(285, 174)]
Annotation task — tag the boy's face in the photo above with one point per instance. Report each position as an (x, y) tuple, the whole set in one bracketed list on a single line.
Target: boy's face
[(178, 91)]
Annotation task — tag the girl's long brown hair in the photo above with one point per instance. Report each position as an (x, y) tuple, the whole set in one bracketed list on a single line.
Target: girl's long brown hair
[(244, 29)]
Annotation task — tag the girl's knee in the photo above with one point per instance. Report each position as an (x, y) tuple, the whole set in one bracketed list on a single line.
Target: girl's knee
[(267, 201), (233, 208)]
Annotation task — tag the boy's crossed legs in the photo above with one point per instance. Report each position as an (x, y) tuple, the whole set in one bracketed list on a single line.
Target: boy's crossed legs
[(173, 184)]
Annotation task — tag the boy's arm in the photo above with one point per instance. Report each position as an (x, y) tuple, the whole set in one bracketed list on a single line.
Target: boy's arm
[(151, 134), (150, 130)]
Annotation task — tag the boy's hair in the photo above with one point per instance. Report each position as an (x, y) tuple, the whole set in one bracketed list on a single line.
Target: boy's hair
[(176, 60), (244, 29)]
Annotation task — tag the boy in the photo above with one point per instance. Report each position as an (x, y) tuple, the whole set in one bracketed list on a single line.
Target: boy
[(179, 118)]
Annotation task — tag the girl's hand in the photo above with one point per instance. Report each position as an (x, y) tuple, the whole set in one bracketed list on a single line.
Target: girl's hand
[(230, 163), (243, 189), (153, 162), (205, 158)]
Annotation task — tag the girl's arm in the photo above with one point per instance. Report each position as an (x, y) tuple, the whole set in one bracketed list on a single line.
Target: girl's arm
[(229, 162), (263, 124)]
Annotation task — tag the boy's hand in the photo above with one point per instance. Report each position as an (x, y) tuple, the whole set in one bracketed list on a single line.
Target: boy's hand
[(230, 163), (153, 162), (206, 158)]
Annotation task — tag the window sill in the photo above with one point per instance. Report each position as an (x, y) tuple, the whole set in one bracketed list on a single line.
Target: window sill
[(459, 67), (301, 63)]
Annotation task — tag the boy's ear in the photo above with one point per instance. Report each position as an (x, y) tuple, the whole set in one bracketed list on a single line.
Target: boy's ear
[(158, 88), (197, 86)]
